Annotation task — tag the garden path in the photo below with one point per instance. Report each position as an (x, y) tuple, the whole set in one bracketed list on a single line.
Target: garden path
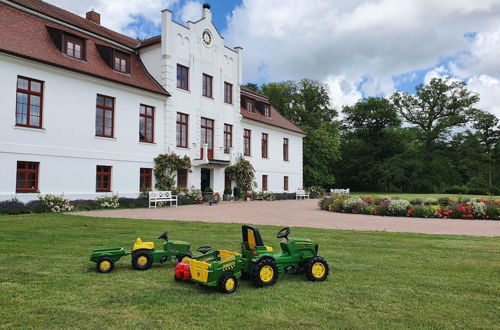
[(303, 213)]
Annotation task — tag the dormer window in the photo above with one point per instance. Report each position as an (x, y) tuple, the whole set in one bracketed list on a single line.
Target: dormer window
[(74, 47), (267, 110), (121, 62), (250, 105)]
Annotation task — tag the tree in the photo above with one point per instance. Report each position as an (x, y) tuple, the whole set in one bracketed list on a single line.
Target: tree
[(436, 108), (370, 135), (488, 132), (307, 104), (253, 87)]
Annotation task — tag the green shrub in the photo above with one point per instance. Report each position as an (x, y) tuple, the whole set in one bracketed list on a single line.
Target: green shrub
[(56, 203), (416, 201), (493, 212), (479, 209), (456, 190), (444, 201), (430, 201), (227, 191), (352, 203), (418, 211), (208, 190), (430, 211), (237, 192), (398, 207)]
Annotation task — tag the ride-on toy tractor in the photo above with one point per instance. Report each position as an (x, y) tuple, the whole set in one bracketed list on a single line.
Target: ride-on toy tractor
[(256, 261), (143, 254)]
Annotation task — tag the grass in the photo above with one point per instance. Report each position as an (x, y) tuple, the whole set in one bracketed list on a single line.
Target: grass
[(424, 196), (377, 280)]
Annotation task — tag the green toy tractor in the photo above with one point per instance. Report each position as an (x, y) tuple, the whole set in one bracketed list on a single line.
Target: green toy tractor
[(256, 261), (143, 254)]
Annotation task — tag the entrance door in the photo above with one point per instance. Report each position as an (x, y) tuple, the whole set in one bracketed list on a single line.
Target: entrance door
[(205, 178), (207, 136)]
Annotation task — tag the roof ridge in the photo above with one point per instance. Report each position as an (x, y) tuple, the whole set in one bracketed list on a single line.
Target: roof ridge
[(73, 19)]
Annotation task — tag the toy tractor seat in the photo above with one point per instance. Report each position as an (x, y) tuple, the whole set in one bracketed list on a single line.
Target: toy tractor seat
[(252, 238), (139, 244)]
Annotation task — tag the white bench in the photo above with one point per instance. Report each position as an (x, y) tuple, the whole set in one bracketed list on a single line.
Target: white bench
[(301, 194), (340, 191), (161, 196)]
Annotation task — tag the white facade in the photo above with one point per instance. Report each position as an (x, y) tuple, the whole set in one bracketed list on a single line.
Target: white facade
[(68, 150), (66, 146), (184, 45)]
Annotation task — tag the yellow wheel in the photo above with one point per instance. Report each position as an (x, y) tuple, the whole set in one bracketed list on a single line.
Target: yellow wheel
[(142, 259), (105, 265), (316, 269), (228, 283), (266, 274)]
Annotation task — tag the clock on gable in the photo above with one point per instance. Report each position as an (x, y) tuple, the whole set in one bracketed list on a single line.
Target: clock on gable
[(207, 37)]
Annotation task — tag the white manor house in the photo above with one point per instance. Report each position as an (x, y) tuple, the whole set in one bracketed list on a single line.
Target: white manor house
[(85, 110)]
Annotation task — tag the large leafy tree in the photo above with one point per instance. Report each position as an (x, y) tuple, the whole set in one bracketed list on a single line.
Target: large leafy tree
[(488, 133), (306, 103), (370, 134), (436, 108)]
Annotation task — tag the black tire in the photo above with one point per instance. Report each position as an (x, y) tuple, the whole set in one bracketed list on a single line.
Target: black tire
[(320, 271), (225, 285), (180, 257), (260, 279), (138, 261), (105, 265)]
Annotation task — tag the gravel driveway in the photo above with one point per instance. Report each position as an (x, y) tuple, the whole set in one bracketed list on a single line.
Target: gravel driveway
[(304, 213)]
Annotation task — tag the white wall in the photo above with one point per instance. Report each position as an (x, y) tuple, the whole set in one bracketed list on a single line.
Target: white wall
[(274, 166), (183, 45), (66, 146)]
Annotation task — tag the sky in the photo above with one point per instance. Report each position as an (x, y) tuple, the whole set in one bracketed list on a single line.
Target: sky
[(359, 48)]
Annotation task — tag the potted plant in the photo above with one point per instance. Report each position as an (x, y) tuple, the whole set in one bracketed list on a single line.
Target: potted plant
[(227, 194), (248, 196), (208, 194), (217, 197)]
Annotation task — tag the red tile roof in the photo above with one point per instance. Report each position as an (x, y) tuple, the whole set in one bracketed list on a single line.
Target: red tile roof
[(26, 35), (276, 118), (150, 41), (75, 20)]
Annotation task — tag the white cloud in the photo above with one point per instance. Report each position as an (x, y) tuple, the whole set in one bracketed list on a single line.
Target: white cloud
[(342, 92), (366, 43), (191, 11), (488, 88), (120, 15)]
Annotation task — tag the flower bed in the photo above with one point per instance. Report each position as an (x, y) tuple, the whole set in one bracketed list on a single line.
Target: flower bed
[(444, 208)]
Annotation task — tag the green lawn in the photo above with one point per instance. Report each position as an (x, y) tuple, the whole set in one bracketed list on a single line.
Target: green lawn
[(424, 196), (377, 280)]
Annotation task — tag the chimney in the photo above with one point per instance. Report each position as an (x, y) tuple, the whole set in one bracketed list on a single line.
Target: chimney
[(93, 17), (206, 12)]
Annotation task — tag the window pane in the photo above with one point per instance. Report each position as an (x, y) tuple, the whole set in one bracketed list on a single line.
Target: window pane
[(142, 109), (22, 98), (22, 83), (107, 131), (36, 86), (100, 100), (109, 102), (108, 114), (35, 100), (34, 120)]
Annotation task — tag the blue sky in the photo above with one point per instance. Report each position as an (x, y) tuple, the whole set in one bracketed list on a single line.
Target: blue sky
[(357, 48)]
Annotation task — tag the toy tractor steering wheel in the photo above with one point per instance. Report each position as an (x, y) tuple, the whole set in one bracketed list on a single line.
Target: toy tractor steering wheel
[(283, 233), (164, 236), (204, 249)]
